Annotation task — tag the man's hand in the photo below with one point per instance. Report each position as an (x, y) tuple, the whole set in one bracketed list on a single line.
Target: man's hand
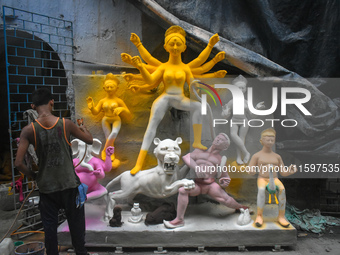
[(292, 169), (83, 128), (260, 106), (200, 173), (224, 181)]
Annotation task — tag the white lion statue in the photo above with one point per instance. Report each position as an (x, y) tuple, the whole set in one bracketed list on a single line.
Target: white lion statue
[(159, 182)]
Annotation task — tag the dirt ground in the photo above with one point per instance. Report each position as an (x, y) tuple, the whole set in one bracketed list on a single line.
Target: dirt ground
[(307, 243)]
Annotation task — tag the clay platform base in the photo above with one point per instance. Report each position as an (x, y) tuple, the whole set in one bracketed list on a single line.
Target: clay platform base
[(206, 225)]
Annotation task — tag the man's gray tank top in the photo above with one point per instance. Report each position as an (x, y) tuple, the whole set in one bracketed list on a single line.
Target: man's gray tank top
[(56, 171)]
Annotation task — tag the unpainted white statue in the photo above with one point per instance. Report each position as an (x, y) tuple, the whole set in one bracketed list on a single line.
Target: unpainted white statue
[(238, 131), (162, 181), (244, 217), (136, 214)]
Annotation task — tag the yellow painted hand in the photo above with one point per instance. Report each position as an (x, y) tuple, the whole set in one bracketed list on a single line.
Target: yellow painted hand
[(219, 57), (220, 74), (213, 40), (135, 39), (137, 62), (126, 58), (128, 77), (89, 102), (134, 88), (118, 110), (113, 107)]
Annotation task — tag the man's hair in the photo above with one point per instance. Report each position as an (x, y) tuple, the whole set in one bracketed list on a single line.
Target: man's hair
[(227, 138), (41, 96), (268, 132), (225, 135), (239, 78)]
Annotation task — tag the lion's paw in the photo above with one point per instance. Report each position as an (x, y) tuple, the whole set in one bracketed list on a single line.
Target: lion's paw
[(188, 184)]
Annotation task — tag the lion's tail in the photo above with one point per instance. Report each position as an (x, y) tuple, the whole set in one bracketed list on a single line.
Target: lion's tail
[(114, 181)]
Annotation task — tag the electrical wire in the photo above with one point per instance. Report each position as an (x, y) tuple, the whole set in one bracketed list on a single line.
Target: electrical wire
[(25, 232)]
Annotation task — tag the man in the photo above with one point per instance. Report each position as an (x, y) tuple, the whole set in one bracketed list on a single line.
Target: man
[(56, 178), (205, 163), (264, 161)]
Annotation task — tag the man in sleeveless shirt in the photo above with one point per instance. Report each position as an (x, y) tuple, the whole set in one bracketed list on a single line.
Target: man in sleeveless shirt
[(56, 178)]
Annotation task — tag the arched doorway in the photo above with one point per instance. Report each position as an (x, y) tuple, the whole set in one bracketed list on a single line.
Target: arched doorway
[(29, 68), (35, 51)]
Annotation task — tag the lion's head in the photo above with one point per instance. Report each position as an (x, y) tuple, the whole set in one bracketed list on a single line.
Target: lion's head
[(168, 154)]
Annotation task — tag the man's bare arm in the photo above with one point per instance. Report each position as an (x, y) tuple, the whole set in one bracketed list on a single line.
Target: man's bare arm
[(26, 138), (79, 132), (291, 169)]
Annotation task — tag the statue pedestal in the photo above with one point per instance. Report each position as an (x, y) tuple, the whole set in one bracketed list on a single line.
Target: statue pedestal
[(206, 225)]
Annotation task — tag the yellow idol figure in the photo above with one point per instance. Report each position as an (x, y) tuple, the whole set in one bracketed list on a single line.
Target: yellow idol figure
[(112, 106), (174, 73)]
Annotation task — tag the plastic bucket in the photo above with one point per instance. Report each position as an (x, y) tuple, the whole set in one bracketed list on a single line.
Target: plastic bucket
[(7, 198), (33, 248), (18, 243)]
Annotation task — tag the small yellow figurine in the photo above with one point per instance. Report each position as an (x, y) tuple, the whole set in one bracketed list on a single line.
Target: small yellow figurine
[(112, 106), (174, 73), (268, 164)]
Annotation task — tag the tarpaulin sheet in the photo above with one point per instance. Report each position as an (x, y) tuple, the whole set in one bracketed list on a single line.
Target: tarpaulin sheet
[(310, 220), (291, 40), (302, 36)]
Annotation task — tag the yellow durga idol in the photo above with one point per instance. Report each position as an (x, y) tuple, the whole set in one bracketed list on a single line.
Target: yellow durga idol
[(112, 106), (174, 73)]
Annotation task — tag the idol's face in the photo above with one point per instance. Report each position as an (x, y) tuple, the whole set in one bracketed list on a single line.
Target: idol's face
[(110, 86), (175, 46), (268, 141), (242, 86), (221, 142)]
